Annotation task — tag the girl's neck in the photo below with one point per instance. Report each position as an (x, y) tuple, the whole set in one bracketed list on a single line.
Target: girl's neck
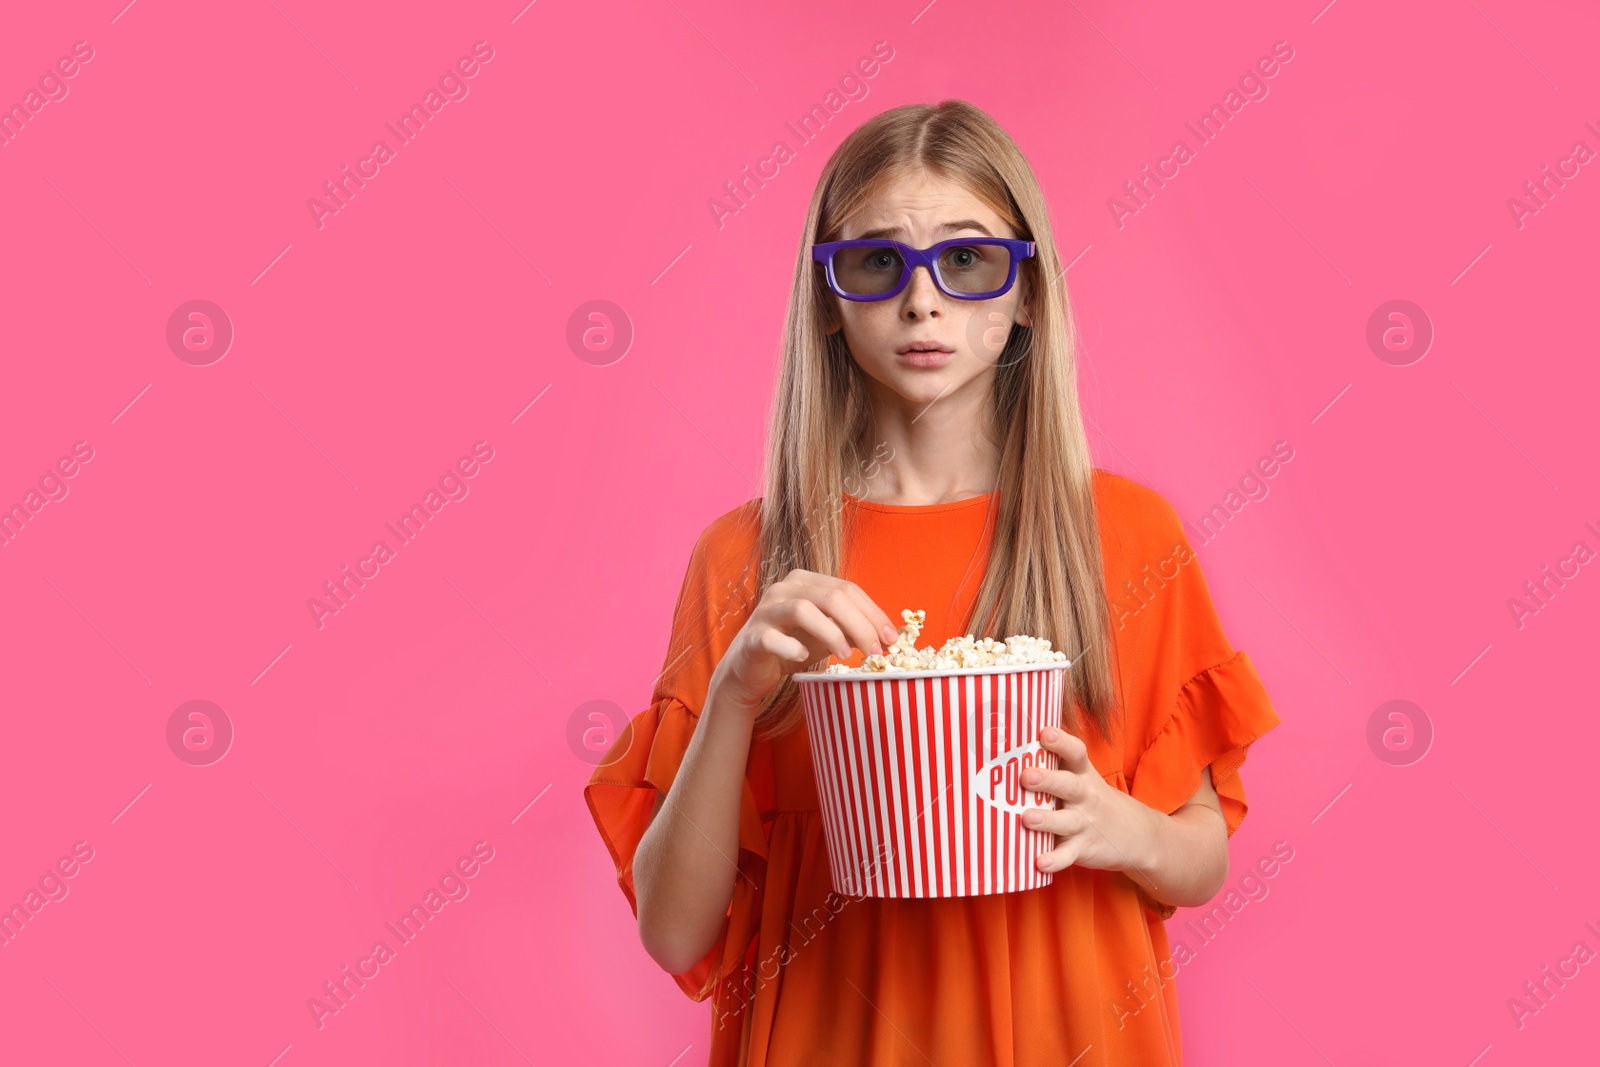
[(941, 451)]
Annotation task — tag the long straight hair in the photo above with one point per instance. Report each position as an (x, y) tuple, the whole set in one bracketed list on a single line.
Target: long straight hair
[(1044, 575)]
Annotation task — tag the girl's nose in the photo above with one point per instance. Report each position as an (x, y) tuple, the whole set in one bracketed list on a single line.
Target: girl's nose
[(922, 298)]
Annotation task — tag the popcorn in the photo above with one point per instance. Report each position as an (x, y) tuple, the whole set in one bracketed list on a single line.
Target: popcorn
[(957, 653)]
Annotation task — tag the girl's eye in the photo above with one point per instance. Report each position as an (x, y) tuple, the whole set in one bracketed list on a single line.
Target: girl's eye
[(882, 260)]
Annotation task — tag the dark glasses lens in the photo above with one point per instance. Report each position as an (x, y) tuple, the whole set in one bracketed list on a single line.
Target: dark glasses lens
[(867, 271), (974, 268)]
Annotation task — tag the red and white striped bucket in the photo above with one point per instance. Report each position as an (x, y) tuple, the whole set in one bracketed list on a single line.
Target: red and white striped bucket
[(918, 775)]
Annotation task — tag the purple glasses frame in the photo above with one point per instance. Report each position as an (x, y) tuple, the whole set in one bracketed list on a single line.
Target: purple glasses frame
[(912, 258)]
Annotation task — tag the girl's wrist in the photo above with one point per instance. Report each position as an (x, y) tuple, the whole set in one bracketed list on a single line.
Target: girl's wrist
[(1148, 828), (724, 704)]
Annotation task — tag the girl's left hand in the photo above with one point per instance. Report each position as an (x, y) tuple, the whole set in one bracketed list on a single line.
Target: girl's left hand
[(1099, 827)]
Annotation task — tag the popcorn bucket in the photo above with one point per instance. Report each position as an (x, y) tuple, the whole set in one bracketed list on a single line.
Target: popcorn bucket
[(919, 777)]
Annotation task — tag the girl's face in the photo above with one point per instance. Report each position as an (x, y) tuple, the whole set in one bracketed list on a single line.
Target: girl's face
[(922, 345)]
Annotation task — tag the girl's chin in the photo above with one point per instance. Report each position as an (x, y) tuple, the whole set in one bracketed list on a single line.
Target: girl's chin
[(919, 390), (918, 387)]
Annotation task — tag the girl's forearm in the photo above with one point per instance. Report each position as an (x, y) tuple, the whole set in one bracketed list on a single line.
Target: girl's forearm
[(685, 865), (1184, 858)]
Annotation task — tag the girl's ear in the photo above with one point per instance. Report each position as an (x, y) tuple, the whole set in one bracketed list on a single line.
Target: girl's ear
[(1024, 313), (831, 323)]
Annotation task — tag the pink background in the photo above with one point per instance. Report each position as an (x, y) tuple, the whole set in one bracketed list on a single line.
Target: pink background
[(428, 313)]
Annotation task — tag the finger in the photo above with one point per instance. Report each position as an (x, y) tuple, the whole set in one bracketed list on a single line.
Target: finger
[(797, 575), (1064, 784), (881, 622), (1063, 822), (774, 641), (847, 610), (875, 632), (805, 620), (1073, 752), (834, 600), (1059, 858)]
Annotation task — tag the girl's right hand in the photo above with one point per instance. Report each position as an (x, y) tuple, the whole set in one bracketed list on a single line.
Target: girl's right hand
[(800, 619)]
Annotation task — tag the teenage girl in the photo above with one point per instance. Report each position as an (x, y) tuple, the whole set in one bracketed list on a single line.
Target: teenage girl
[(926, 451)]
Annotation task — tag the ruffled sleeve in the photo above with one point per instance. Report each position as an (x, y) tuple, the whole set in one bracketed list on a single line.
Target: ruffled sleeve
[(643, 762), (1216, 716), (1191, 700)]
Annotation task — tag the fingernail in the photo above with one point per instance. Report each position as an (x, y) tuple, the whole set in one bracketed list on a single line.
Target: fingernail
[(1049, 733), (1030, 777), (890, 634)]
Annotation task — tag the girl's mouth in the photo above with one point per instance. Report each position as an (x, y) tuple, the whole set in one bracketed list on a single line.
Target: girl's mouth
[(925, 354)]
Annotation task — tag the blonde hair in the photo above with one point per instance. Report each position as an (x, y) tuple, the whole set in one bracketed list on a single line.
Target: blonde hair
[(1044, 576)]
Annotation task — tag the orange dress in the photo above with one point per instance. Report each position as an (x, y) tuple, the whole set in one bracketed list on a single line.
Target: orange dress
[(1078, 972)]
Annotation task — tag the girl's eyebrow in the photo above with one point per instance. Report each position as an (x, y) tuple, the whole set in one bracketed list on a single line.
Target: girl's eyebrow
[(895, 232)]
